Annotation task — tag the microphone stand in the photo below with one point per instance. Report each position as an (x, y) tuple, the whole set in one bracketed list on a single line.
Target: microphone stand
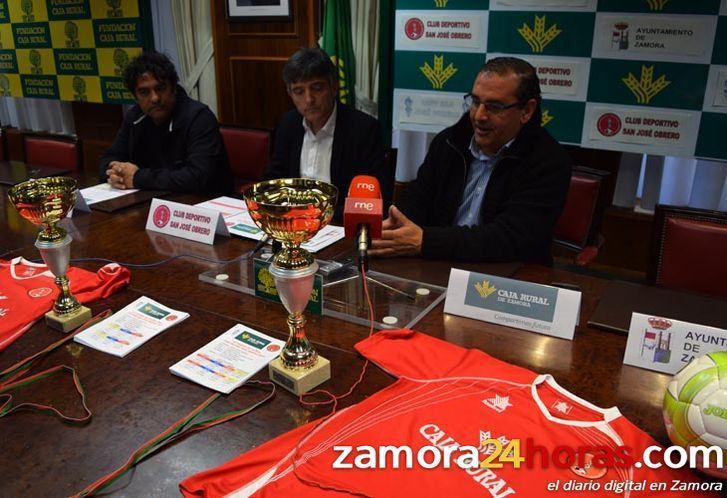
[(362, 243)]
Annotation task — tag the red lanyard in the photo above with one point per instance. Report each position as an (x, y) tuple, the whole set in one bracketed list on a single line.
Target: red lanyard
[(14, 377)]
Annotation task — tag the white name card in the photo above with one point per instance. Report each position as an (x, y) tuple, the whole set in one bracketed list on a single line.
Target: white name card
[(188, 222), (523, 305), (667, 345)]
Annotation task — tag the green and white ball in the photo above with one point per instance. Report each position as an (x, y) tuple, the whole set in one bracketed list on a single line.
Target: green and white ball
[(695, 406)]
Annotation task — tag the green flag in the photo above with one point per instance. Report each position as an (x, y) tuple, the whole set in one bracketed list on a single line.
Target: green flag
[(337, 44)]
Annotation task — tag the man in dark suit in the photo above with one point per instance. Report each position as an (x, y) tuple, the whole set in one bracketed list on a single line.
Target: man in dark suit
[(322, 138)]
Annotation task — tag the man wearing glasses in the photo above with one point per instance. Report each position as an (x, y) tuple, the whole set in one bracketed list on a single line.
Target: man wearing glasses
[(492, 186)]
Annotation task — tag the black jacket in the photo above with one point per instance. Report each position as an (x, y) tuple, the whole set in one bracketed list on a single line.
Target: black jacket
[(357, 150), (189, 157), (523, 199)]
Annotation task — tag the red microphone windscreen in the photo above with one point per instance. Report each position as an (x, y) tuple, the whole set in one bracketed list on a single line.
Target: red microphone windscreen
[(363, 206), (364, 187)]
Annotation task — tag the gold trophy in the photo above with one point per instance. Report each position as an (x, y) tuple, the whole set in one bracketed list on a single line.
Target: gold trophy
[(292, 211), (45, 202)]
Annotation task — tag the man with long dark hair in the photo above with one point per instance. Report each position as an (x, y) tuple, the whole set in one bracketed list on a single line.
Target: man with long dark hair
[(168, 141)]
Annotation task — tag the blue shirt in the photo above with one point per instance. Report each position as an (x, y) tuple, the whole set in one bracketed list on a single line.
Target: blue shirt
[(468, 212)]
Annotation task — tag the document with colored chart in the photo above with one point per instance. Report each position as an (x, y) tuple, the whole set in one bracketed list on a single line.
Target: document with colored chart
[(130, 327), (228, 361)]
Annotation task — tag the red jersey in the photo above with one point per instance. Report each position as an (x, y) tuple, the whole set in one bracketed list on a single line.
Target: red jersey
[(28, 290), (446, 396)]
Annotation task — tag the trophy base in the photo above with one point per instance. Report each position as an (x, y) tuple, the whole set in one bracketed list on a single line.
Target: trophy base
[(300, 381), (66, 323)]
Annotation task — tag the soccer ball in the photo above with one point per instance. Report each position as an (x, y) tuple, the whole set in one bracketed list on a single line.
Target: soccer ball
[(695, 406)]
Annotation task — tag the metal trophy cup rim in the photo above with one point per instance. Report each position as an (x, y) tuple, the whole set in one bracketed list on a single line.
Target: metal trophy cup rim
[(31, 200), (291, 223)]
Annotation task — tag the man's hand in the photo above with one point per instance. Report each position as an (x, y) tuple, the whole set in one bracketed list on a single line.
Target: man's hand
[(399, 236), (121, 175)]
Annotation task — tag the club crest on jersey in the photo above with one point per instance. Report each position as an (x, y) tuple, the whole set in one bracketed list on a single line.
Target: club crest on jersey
[(40, 292), (588, 470), (498, 402)]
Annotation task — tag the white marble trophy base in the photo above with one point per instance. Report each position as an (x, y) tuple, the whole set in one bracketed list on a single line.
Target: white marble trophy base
[(300, 381), (66, 323)]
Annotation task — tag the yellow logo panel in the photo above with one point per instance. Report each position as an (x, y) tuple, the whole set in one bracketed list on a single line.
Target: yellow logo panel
[(114, 9), (72, 34), (10, 85), (79, 88), (36, 61), (111, 61), (6, 37), (27, 11)]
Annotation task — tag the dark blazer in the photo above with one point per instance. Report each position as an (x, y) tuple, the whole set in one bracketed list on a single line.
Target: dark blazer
[(523, 199), (357, 150), (190, 158)]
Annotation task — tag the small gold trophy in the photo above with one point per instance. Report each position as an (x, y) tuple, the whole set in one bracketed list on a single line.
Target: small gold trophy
[(45, 202), (292, 211)]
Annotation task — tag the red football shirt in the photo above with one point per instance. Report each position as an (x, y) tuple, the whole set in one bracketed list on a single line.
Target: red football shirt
[(445, 396), (28, 290)]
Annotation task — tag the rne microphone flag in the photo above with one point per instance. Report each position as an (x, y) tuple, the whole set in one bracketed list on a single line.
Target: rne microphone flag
[(363, 213), (363, 207)]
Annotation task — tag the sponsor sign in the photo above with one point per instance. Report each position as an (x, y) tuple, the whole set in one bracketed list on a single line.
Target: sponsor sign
[(662, 131), (187, 222), (431, 108), (540, 4), (667, 345), (462, 32), (560, 77), (720, 90), (654, 37), (81, 46), (524, 305)]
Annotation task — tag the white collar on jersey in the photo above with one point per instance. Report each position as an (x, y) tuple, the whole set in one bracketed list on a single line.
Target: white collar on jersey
[(22, 261), (608, 414)]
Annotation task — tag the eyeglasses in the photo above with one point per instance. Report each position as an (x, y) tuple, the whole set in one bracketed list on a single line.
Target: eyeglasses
[(492, 107)]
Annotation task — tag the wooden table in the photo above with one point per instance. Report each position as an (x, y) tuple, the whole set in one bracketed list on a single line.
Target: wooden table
[(135, 398)]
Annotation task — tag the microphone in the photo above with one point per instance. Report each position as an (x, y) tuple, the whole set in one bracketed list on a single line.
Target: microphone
[(363, 213)]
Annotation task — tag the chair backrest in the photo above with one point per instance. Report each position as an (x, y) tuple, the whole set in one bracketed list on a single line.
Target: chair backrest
[(688, 250), (51, 152), (248, 151), (579, 223)]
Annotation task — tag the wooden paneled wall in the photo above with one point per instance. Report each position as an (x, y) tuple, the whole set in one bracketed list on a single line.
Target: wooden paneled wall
[(249, 59)]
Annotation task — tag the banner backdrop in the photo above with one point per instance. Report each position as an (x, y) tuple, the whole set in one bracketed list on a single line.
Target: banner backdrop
[(70, 49), (645, 76)]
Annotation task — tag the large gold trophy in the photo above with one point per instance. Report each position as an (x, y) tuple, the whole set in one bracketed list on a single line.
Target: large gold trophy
[(45, 202), (292, 211)]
